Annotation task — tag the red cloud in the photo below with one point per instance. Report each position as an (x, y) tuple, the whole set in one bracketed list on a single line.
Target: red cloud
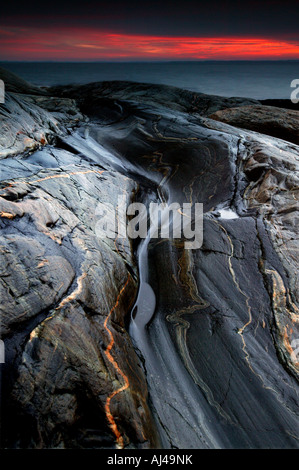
[(90, 44)]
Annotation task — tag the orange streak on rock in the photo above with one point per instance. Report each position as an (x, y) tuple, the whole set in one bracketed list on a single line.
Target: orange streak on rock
[(75, 293), (7, 215), (65, 175), (287, 344), (110, 418), (42, 263)]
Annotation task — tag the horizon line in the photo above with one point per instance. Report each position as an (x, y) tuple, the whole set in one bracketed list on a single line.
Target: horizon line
[(72, 61)]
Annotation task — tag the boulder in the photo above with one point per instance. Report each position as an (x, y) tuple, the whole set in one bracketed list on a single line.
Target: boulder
[(269, 120)]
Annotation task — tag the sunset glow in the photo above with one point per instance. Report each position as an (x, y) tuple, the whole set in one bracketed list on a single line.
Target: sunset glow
[(90, 44)]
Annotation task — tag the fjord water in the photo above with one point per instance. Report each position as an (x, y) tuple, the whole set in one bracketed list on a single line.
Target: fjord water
[(252, 79)]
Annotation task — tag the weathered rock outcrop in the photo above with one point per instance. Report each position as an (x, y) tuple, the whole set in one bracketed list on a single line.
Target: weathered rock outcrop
[(33, 126), (148, 94), (214, 330), (16, 84), (65, 294), (277, 122)]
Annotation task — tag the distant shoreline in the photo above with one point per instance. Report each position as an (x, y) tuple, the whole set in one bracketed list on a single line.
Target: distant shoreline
[(259, 80)]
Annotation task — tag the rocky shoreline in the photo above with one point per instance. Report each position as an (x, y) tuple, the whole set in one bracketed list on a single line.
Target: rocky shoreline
[(216, 365)]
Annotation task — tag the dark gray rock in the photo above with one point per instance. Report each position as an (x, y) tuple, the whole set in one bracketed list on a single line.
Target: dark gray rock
[(213, 331), (15, 84), (28, 122), (277, 122), (148, 94)]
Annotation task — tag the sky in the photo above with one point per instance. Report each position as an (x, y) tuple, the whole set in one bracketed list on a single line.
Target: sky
[(149, 30)]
